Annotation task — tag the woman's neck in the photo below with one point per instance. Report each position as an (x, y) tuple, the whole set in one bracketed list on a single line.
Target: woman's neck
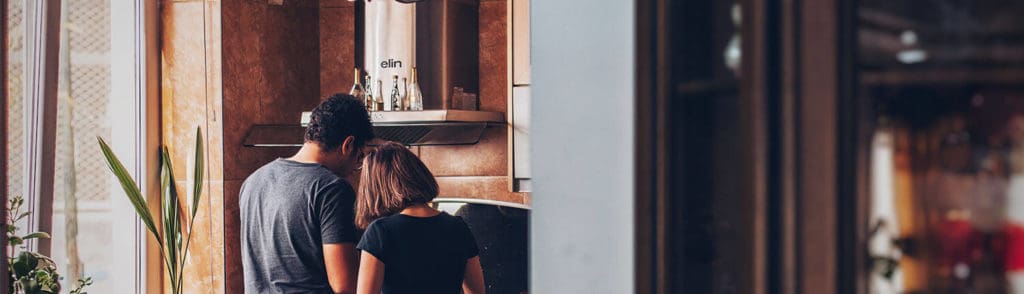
[(420, 210)]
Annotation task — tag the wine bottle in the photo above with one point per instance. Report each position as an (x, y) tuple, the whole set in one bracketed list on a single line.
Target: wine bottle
[(357, 87), (396, 97), (380, 96), (405, 94), (415, 95), (370, 104)]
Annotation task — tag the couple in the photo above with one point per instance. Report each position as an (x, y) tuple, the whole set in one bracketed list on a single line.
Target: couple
[(305, 229)]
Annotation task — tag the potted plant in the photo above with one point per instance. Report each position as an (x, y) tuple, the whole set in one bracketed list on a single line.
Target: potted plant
[(174, 234), (31, 272)]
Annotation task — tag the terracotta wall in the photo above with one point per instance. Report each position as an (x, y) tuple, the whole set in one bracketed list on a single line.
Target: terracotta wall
[(190, 94), (271, 75), (337, 46)]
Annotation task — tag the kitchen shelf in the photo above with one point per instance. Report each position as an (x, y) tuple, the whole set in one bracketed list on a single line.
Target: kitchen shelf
[(412, 128)]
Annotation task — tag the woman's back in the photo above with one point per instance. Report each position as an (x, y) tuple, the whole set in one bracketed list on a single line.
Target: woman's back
[(420, 254)]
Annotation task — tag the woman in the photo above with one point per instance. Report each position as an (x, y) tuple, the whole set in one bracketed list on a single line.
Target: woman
[(408, 246)]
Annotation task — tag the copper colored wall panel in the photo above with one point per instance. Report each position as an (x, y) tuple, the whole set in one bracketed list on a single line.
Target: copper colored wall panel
[(271, 74), (337, 49), (493, 56)]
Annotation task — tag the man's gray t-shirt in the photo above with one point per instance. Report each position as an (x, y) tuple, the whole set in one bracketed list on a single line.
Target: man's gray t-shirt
[(288, 211)]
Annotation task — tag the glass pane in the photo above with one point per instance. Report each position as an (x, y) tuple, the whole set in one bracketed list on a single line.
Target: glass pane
[(15, 96), (708, 236), (84, 219), (947, 156)]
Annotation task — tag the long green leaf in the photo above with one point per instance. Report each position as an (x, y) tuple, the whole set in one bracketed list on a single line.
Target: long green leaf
[(169, 214), (131, 189), (197, 188), (36, 235), (196, 192)]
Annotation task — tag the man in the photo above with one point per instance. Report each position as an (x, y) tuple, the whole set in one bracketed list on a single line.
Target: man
[(298, 234)]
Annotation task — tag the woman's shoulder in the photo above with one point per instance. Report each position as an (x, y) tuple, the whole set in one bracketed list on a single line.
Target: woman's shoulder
[(383, 221)]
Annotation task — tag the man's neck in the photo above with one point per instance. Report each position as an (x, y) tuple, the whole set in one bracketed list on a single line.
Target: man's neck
[(309, 153)]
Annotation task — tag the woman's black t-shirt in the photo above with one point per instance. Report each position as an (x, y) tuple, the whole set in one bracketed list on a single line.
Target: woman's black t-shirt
[(421, 254)]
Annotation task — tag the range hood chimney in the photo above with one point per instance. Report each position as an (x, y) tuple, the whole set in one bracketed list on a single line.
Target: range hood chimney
[(441, 39)]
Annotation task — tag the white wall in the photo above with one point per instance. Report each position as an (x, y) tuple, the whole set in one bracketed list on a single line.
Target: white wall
[(582, 144)]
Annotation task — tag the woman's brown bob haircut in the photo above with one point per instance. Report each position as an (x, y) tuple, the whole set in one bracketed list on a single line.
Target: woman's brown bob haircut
[(393, 178)]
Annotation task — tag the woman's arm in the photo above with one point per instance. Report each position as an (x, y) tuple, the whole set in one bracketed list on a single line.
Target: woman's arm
[(473, 283), (371, 274)]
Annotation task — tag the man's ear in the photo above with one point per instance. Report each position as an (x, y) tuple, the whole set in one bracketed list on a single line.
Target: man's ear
[(348, 147)]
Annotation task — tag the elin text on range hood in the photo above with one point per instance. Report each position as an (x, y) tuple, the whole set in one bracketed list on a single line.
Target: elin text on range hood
[(412, 128)]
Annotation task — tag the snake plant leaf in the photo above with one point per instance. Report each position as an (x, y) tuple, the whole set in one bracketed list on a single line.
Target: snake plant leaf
[(131, 189), (197, 188), (169, 213)]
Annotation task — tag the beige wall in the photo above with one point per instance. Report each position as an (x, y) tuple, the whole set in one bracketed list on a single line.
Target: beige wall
[(191, 97)]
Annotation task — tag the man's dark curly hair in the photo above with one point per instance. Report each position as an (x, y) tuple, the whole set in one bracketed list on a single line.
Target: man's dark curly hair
[(337, 118)]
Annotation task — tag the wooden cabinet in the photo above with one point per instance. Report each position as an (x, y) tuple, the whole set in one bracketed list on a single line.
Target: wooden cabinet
[(519, 94)]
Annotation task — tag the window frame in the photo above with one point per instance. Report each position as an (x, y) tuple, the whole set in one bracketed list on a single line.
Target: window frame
[(134, 32), (3, 149)]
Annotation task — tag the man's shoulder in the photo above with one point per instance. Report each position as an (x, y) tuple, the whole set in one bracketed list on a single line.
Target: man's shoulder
[(299, 173)]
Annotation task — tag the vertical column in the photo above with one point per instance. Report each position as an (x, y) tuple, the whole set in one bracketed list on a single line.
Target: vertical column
[(3, 149), (583, 157), (817, 164), (42, 33)]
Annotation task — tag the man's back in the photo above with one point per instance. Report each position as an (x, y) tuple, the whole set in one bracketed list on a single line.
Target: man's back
[(288, 211)]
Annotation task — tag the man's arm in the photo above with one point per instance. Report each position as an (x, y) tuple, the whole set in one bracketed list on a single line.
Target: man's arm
[(342, 261)]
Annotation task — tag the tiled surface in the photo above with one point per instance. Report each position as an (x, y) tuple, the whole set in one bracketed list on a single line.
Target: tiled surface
[(299, 3), (487, 158), (337, 3), (202, 273), (184, 95), (337, 49), (232, 243), (271, 74), (493, 56), (490, 188), (214, 92), (190, 102), (217, 237)]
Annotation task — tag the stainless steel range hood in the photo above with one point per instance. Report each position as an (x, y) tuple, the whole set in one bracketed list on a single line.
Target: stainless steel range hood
[(412, 128), (441, 38)]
